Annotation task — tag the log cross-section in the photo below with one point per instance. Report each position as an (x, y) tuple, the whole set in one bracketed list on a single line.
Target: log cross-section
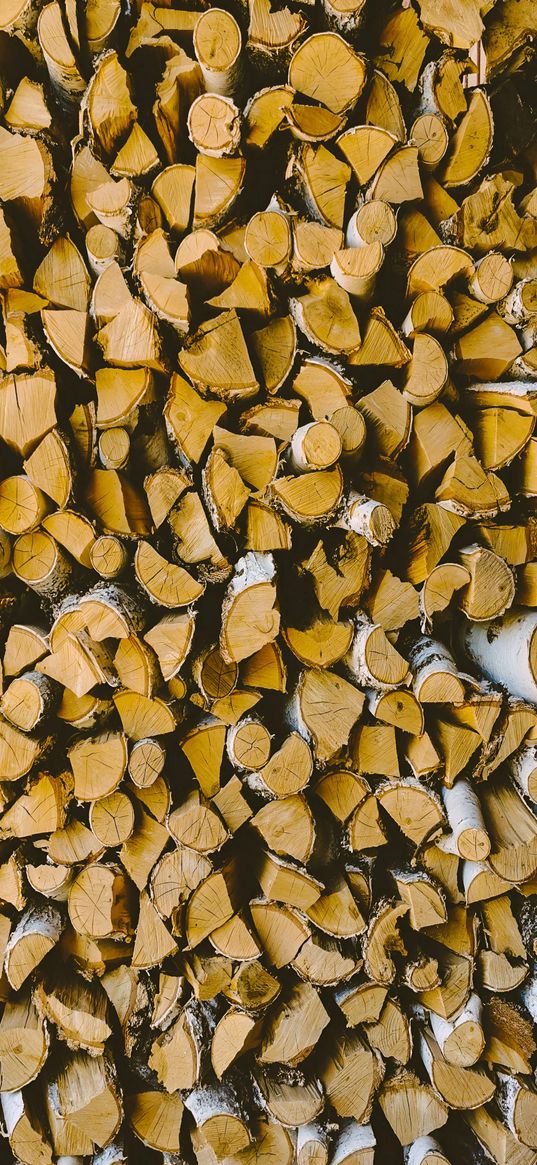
[(268, 582)]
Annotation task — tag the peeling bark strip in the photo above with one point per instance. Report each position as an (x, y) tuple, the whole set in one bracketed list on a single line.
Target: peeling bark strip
[(268, 582)]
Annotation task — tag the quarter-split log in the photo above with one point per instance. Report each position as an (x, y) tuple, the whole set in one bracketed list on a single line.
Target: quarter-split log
[(268, 598)]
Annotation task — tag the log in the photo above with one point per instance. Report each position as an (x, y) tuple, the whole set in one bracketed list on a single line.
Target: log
[(268, 675)]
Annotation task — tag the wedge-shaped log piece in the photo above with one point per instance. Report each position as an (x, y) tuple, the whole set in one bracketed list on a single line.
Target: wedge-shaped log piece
[(467, 1088), (164, 582), (326, 317), (295, 1027), (513, 836), (471, 144), (412, 1109), (27, 175), (36, 933), (273, 33), (323, 179), (325, 708), (348, 1063), (175, 1055), (155, 1118), (98, 765), (365, 148), (24, 1043), (217, 358), (416, 810), (250, 617), (25, 1129), (496, 1138), (380, 344), (218, 184), (27, 409), (100, 902)]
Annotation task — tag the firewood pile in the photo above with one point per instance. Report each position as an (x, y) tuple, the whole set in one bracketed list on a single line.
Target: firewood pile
[(268, 609)]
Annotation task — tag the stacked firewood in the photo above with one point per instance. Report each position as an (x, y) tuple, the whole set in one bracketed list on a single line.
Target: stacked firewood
[(268, 609)]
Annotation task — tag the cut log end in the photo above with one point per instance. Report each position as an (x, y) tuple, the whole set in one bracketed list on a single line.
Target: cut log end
[(268, 582)]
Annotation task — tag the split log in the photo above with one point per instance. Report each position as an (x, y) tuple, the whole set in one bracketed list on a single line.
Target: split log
[(268, 685), (412, 1109)]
